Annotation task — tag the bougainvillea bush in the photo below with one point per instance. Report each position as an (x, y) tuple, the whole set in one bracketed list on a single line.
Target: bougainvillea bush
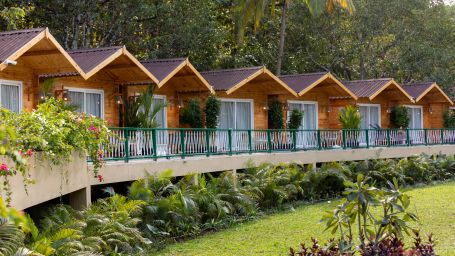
[(56, 131)]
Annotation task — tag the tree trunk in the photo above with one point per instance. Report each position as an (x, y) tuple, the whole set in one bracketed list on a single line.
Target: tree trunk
[(284, 8)]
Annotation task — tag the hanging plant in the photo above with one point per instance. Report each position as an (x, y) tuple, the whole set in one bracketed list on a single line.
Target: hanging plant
[(191, 114), (350, 118), (295, 119), (275, 115), (212, 111), (399, 117)]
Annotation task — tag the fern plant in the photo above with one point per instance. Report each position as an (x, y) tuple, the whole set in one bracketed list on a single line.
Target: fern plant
[(350, 118)]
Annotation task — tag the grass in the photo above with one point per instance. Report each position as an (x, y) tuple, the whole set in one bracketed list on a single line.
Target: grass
[(274, 234)]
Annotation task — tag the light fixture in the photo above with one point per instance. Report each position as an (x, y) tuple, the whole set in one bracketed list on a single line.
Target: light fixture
[(430, 110), (119, 99), (11, 62), (329, 109), (64, 93), (389, 110)]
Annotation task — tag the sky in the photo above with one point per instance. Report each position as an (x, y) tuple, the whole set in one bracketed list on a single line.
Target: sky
[(449, 1)]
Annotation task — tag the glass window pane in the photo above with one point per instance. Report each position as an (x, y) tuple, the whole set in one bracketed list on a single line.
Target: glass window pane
[(227, 117), (161, 115), (309, 116), (93, 104), (76, 99), (374, 117), (243, 115), (364, 113), (10, 97)]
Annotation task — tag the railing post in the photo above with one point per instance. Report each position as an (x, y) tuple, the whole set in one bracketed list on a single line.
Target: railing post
[(367, 138), (425, 134), (155, 153), (343, 138), (318, 135), (442, 136), (207, 141), (388, 137), (408, 141), (250, 142), (269, 141), (127, 144), (230, 141), (182, 143), (294, 139)]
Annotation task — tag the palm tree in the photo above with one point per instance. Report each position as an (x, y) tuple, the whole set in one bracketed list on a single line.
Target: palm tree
[(255, 9)]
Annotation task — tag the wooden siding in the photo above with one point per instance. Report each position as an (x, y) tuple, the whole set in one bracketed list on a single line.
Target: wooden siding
[(29, 83)]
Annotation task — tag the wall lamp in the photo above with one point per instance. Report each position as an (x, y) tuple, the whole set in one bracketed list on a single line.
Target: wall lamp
[(430, 110), (64, 93)]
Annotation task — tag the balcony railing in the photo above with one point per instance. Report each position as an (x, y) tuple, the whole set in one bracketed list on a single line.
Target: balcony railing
[(138, 143)]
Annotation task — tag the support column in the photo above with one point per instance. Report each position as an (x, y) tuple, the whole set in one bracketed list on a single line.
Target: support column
[(81, 198), (233, 174)]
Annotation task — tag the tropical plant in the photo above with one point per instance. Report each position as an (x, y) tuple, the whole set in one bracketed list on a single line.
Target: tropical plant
[(191, 114), (275, 115), (350, 117), (212, 111), (255, 9), (141, 111), (46, 89), (399, 117), (295, 119), (449, 118)]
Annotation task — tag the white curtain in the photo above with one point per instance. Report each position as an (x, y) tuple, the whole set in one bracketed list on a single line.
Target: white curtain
[(227, 115), (415, 115), (370, 116), (10, 97), (93, 104), (363, 110), (374, 116), (160, 116), (77, 100), (243, 115), (309, 117)]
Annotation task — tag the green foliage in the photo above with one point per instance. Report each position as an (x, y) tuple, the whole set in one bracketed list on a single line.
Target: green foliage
[(295, 119), (399, 117), (350, 118), (449, 118), (191, 114), (212, 111), (275, 115), (141, 111), (56, 132)]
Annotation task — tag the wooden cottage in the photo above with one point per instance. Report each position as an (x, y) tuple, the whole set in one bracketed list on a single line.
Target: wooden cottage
[(376, 97), (99, 88), (24, 55), (430, 101), (245, 95), (317, 94)]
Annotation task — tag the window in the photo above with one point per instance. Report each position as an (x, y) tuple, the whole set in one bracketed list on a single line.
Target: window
[(415, 117), (10, 95), (371, 115), (236, 114), (88, 101), (160, 118), (310, 113)]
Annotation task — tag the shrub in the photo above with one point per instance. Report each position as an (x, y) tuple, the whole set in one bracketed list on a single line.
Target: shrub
[(275, 115), (295, 119), (399, 117), (350, 118), (191, 114), (212, 111), (449, 118)]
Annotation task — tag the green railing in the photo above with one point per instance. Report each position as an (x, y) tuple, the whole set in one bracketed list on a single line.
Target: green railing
[(137, 143)]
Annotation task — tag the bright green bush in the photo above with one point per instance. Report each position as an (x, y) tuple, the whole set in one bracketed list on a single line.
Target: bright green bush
[(212, 111), (350, 118)]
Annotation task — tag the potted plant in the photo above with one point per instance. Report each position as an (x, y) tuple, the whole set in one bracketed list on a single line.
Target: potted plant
[(276, 121), (191, 117), (399, 118), (212, 112), (350, 119)]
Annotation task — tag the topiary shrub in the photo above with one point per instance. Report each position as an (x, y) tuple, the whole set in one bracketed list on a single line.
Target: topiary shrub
[(295, 119), (350, 118), (212, 111), (449, 119), (275, 115), (399, 117), (191, 114)]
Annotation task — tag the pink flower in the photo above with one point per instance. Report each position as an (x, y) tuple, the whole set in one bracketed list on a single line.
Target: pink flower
[(4, 167), (100, 178), (29, 152)]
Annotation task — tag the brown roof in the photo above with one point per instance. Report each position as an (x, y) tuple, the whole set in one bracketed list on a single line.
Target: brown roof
[(223, 80), (301, 82), (366, 88), (12, 41), (161, 68), (417, 89), (88, 59)]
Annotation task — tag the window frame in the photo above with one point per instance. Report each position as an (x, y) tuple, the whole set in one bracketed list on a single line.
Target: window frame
[(89, 90), (421, 111), (163, 97), (251, 101), (369, 118), (13, 83), (303, 102)]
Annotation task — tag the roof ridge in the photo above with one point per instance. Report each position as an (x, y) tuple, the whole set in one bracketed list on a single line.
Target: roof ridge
[(11, 32), (306, 74), (100, 49), (163, 60), (230, 70), (368, 80), (420, 83)]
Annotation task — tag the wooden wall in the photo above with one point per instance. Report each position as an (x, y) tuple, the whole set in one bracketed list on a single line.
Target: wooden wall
[(29, 83)]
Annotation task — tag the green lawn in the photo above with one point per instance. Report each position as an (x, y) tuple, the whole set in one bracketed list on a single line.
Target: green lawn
[(272, 235)]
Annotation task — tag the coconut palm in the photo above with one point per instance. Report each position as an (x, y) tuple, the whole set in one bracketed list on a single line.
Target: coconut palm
[(247, 10)]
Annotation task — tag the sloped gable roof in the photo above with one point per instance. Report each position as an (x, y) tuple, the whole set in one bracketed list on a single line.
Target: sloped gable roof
[(419, 89), (13, 41), (88, 59), (372, 87)]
